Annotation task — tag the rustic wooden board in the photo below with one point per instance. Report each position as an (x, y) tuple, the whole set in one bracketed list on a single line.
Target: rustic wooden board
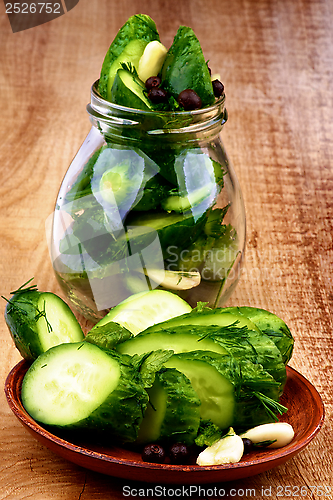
[(276, 61)]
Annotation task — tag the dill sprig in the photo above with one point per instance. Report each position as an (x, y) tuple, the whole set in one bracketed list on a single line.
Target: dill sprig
[(23, 288), (42, 314), (272, 407), (128, 66)]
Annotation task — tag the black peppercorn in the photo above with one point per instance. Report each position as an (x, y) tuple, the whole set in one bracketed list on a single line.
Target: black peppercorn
[(179, 453), (152, 82), (218, 88), (248, 445), (153, 453), (189, 100), (157, 95)]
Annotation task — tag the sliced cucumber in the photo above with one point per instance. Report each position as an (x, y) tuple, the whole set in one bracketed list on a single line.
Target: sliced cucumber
[(231, 392), (271, 325), (179, 340), (184, 203), (173, 413), (119, 174), (128, 90), (82, 386), (236, 333), (211, 381), (131, 55), (180, 229), (127, 47), (141, 310), (206, 317), (40, 320), (185, 67)]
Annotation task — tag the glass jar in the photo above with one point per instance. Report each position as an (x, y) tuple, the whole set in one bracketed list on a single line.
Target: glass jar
[(149, 201)]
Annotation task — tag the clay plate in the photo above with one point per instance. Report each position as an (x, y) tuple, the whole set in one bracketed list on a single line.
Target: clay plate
[(305, 414)]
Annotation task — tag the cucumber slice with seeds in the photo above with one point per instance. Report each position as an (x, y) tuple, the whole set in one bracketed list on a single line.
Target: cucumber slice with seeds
[(40, 320), (144, 309), (82, 386)]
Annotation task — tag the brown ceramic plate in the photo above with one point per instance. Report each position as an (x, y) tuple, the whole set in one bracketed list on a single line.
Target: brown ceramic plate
[(305, 414)]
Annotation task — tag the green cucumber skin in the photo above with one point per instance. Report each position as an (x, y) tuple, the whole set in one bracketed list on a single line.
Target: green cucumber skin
[(255, 345), (22, 324), (242, 373), (185, 67), (120, 414), (22, 315), (182, 340), (271, 325), (128, 91), (139, 26), (247, 412), (182, 413)]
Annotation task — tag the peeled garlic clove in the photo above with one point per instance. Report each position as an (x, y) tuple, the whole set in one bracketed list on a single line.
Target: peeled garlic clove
[(227, 450), (281, 433), (152, 60)]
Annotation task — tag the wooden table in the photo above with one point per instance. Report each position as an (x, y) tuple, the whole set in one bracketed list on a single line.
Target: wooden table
[(276, 61)]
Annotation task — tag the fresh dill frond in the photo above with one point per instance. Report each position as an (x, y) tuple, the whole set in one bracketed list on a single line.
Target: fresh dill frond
[(23, 288), (272, 407), (42, 314)]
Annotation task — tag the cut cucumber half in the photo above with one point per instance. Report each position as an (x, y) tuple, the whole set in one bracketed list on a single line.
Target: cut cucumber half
[(128, 90), (144, 309), (126, 48), (269, 324), (173, 413), (176, 203), (216, 391), (131, 55), (57, 324), (234, 332), (82, 386), (177, 340), (40, 320)]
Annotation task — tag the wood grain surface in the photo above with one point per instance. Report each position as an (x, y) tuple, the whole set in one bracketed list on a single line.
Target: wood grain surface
[(276, 62)]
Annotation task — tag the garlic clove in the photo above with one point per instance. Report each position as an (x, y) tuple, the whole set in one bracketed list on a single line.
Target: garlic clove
[(281, 433), (152, 60), (227, 450)]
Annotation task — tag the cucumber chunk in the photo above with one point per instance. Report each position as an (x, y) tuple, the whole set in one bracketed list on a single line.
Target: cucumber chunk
[(271, 325), (131, 55), (235, 333), (178, 340), (127, 47), (185, 67), (215, 390), (231, 391), (81, 386), (40, 320), (128, 90), (174, 411), (184, 203), (141, 310)]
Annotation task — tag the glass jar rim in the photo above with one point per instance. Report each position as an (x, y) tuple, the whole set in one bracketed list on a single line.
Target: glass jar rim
[(106, 107)]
